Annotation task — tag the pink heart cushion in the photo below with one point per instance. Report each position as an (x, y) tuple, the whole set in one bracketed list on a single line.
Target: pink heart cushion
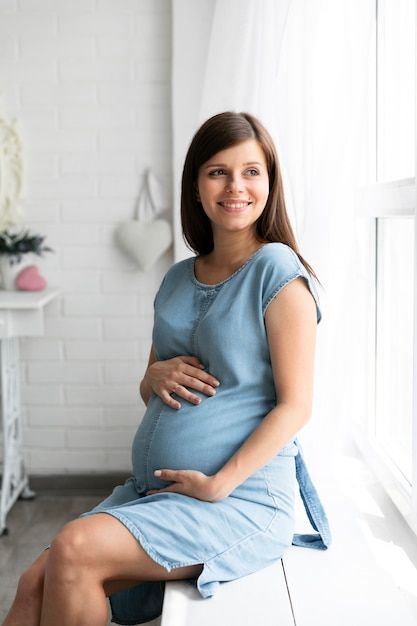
[(29, 279)]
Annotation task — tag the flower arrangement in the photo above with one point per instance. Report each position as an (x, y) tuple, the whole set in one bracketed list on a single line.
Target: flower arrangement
[(15, 245)]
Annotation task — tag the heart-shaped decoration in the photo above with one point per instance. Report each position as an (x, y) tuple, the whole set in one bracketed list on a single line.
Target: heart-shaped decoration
[(144, 242), (29, 279)]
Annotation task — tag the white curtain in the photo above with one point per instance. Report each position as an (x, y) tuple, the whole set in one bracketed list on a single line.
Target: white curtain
[(302, 67), (225, 57)]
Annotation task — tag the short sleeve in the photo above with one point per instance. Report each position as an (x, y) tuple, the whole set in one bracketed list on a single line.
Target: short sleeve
[(169, 282), (155, 300), (281, 266)]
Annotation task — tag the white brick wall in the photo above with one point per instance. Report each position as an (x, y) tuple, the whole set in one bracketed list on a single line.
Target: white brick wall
[(89, 81)]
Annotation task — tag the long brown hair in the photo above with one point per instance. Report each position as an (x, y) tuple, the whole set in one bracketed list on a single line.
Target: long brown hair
[(218, 133)]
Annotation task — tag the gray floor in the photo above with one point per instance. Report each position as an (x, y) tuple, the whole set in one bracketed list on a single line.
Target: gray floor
[(32, 525)]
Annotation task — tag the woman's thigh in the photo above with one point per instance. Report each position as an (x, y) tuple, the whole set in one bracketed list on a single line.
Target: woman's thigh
[(106, 548), (36, 573)]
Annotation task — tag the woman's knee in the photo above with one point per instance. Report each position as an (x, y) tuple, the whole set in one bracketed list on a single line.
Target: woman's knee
[(68, 545), (72, 547)]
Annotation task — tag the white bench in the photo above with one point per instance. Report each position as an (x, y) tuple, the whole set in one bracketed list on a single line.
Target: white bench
[(305, 588), (260, 598), (350, 584), (353, 583)]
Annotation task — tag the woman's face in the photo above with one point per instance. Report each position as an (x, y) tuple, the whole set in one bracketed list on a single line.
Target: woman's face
[(233, 187)]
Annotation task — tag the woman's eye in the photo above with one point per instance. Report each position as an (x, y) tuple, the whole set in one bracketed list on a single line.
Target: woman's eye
[(220, 172)]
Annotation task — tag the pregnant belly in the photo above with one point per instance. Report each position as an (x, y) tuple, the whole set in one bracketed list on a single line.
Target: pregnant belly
[(199, 437)]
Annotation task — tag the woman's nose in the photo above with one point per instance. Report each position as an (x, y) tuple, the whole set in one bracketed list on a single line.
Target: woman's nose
[(234, 184)]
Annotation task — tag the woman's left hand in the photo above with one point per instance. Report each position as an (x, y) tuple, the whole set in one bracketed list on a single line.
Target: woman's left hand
[(190, 483)]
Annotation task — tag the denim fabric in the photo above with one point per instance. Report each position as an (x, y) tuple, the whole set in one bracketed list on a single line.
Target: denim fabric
[(224, 326), (139, 604)]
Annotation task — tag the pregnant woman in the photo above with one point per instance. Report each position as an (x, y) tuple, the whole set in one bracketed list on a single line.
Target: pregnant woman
[(215, 460)]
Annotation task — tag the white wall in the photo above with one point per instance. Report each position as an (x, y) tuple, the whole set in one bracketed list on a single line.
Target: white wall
[(89, 81)]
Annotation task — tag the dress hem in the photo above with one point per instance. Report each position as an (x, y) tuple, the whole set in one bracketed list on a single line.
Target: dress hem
[(139, 536)]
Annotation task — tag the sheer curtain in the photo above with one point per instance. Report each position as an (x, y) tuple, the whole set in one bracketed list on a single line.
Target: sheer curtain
[(302, 67)]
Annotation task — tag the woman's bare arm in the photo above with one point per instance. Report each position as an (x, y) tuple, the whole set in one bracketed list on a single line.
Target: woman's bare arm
[(291, 328)]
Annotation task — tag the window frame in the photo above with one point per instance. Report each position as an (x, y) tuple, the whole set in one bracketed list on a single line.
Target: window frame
[(393, 199), (396, 198)]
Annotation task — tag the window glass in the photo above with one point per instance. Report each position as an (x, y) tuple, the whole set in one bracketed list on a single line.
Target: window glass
[(395, 90), (394, 341)]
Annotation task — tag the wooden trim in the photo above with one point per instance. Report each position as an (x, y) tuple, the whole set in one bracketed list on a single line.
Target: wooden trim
[(80, 483), (393, 199)]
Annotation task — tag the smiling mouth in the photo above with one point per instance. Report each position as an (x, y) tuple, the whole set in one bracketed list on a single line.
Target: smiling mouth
[(234, 205)]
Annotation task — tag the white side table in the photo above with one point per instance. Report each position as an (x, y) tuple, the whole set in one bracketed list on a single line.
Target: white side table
[(21, 315)]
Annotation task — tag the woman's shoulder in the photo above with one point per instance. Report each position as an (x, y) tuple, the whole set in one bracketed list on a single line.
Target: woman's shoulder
[(179, 268), (175, 273), (277, 265), (279, 256)]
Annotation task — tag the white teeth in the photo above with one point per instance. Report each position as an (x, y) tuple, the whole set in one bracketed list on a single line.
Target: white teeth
[(234, 205)]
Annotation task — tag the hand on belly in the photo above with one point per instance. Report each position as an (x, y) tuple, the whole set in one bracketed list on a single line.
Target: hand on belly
[(179, 375), (190, 483)]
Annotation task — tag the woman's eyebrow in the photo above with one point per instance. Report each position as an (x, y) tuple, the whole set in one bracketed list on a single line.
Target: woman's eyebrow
[(224, 164)]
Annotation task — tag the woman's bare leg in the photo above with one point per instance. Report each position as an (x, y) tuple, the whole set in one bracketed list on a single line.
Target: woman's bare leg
[(27, 606), (89, 557)]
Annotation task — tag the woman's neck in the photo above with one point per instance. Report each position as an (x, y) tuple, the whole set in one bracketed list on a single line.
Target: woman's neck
[(231, 251)]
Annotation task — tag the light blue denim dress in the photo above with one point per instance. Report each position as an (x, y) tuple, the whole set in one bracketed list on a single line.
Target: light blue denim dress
[(223, 325)]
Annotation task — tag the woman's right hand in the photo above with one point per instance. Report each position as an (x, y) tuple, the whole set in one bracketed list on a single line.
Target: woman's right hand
[(175, 375)]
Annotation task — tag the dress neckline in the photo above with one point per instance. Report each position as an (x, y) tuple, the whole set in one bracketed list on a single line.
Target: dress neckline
[(222, 282)]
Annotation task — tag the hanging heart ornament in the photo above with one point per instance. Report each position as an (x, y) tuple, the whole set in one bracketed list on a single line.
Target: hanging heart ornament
[(146, 238), (144, 243)]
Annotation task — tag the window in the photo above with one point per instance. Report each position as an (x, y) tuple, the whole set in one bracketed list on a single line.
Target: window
[(388, 439), (394, 341)]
